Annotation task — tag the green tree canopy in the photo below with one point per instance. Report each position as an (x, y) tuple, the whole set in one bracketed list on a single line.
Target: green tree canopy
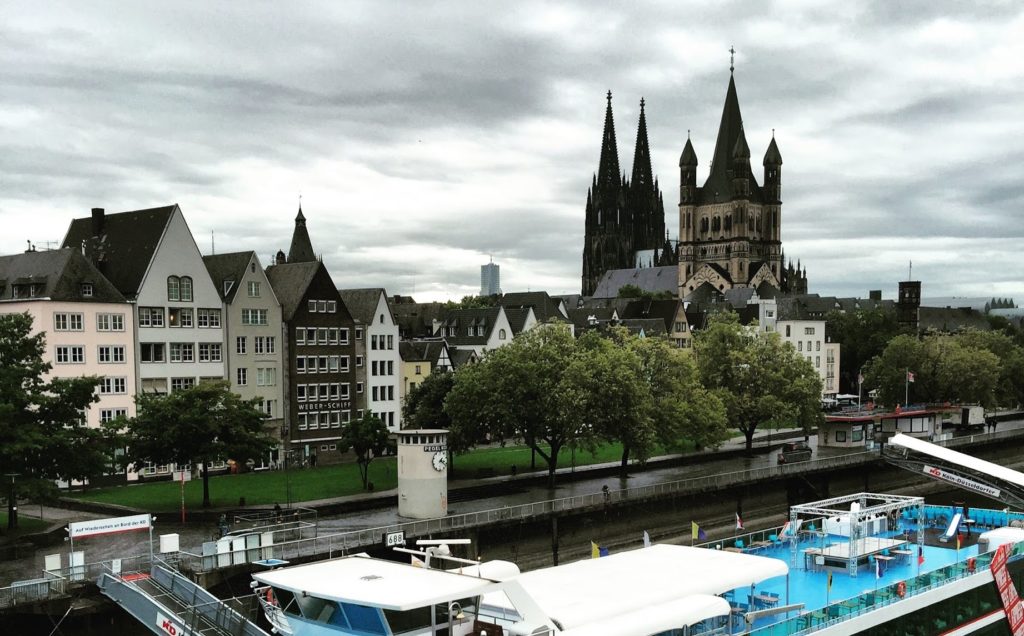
[(367, 437), (43, 435), (201, 424), (759, 378), (472, 302), (863, 334), (515, 392)]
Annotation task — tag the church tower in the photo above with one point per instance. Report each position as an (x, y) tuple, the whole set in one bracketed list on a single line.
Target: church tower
[(301, 250), (729, 229), (622, 216)]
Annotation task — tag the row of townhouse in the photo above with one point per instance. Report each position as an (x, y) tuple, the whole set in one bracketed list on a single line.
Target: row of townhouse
[(130, 298)]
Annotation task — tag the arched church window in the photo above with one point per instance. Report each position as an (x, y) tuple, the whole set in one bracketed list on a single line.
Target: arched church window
[(728, 222)]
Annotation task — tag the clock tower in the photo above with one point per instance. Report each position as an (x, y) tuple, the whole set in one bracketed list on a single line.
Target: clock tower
[(423, 473)]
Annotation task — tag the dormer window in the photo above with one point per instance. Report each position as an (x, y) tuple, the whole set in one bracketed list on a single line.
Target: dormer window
[(87, 290), (228, 284)]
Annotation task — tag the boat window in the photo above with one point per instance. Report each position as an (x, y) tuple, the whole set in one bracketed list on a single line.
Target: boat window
[(316, 609), (414, 619), (286, 600), (365, 619)]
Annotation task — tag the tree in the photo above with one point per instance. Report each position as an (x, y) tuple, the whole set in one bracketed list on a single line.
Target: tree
[(43, 435), (759, 378), (424, 406), (200, 424), (1009, 389), (516, 392), (367, 437), (863, 334), (472, 302)]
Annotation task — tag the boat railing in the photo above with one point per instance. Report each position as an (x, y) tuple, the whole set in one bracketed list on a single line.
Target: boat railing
[(888, 594)]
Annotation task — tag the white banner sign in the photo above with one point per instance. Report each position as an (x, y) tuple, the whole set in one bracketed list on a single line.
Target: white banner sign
[(108, 526), (963, 482)]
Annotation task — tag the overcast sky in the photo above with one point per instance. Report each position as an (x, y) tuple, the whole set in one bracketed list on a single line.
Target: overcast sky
[(425, 138)]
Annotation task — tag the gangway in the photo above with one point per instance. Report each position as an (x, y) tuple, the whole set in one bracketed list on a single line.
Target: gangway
[(952, 467), (168, 603)]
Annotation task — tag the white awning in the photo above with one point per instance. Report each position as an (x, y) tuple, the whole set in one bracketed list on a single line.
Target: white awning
[(960, 459), (657, 619), (594, 591)]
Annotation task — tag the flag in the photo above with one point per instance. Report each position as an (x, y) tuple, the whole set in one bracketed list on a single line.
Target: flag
[(602, 551), (647, 539), (878, 569), (785, 529), (595, 550), (910, 376), (739, 522), (920, 555), (829, 581), (959, 538), (697, 534)]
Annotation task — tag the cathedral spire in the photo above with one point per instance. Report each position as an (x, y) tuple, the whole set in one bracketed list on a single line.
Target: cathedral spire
[(301, 250), (642, 176), (608, 170)]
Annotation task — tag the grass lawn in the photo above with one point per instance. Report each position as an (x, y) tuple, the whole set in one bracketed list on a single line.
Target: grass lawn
[(26, 525), (269, 487)]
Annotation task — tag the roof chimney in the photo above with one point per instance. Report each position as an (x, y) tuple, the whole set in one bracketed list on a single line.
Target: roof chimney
[(97, 221)]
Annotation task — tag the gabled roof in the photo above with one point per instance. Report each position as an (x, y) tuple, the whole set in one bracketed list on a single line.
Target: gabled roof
[(587, 317), (124, 245), (416, 320), (462, 319), (663, 310), (227, 267), (59, 273), (517, 319), (421, 350), (460, 357), (544, 306), (290, 282), (649, 326), (652, 279), (362, 303)]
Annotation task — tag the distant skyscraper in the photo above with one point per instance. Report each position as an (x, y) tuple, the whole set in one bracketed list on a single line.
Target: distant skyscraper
[(490, 279)]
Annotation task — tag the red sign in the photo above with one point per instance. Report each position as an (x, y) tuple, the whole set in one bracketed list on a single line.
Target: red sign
[(1007, 591)]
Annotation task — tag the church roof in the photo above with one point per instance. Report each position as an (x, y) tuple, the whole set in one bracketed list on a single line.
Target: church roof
[(124, 245), (772, 157), (227, 267), (301, 250), (718, 187), (689, 157), (652, 279), (290, 282)]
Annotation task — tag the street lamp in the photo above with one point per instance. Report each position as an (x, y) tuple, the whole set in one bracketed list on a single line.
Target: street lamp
[(12, 505)]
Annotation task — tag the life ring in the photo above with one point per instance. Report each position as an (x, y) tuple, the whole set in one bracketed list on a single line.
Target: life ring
[(271, 599), (972, 564), (901, 589)]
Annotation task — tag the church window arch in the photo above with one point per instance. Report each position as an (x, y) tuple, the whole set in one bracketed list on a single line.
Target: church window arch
[(716, 225), (728, 222), (758, 223)]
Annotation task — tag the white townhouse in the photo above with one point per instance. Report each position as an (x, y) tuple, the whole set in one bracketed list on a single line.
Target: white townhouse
[(381, 371), (152, 259), (87, 323)]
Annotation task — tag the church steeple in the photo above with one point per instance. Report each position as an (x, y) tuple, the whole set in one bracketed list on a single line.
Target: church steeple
[(642, 173), (608, 176), (301, 250), (644, 201)]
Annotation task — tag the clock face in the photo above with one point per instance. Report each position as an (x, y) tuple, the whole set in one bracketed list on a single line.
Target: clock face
[(440, 461)]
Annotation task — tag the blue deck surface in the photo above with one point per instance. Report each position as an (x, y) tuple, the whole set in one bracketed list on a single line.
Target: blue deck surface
[(810, 587)]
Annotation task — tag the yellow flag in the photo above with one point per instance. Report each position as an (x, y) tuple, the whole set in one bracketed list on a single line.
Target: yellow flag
[(595, 550)]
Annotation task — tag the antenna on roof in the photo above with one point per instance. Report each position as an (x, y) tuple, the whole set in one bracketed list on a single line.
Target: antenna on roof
[(213, 248)]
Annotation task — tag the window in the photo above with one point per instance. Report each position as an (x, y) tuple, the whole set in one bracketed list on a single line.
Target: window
[(310, 336), (300, 335), (186, 289), (254, 289), (391, 367), (373, 391), (242, 376), (391, 393), (343, 336), (332, 306), (380, 320), (300, 364), (109, 322), (109, 415), (332, 336), (67, 322), (70, 355), (111, 354), (359, 333), (817, 345), (173, 288), (87, 290), (322, 336), (787, 331), (359, 387), (254, 317), (808, 331), (257, 345), (373, 343), (418, 370), (391, 342), (840, 436), (151, 351), (151, 316), (182, 352), (373, 366), (344, 390), (311, 306), (344, 364), (359, 361), (302, 421), (335, 423), (321, 306), (333, 391), (333, 364), (817, 361), (209, 352), (179, 317), (208, 318), (240, 345), (501, 334), (300, 392), (268, 407), (769, 313), (179, 384), (800, 345), (266, 376), (112, 386), (324, 363)]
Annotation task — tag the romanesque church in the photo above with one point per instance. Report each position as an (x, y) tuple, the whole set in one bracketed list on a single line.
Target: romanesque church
[(729, 228)]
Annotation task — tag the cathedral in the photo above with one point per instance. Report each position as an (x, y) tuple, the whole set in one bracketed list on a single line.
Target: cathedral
[(729, 228)]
